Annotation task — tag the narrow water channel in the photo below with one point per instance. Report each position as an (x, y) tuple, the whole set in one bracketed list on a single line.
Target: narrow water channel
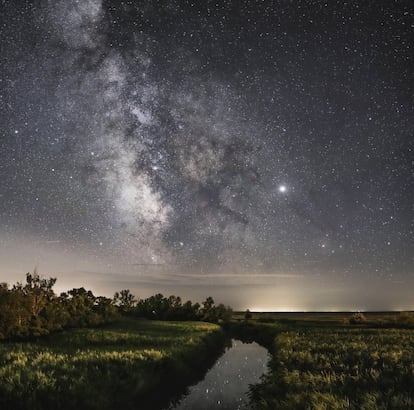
[(226, 384)]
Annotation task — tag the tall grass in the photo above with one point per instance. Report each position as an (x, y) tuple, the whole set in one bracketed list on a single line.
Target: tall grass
[(120, 365), (340, 368)]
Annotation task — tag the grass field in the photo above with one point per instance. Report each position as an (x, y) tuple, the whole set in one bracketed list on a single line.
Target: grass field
[(119, 365), (322, 362), (322, 318)]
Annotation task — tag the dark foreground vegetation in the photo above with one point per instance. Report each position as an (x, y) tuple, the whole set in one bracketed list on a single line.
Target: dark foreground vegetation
[(33, 309), (336, 361), (79, 351), (131, 364)]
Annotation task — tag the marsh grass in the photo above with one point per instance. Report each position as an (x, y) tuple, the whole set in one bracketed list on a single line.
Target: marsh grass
[(339, 368), (119, 365)]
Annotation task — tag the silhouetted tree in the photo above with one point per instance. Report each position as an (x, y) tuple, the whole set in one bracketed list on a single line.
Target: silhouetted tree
[(15, 316), (80, 306), (33, 309), (207, 311), (125, 300), (105, 308), (190, 311), (38, 290)]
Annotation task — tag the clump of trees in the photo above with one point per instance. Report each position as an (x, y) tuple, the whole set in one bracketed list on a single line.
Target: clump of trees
[(159, 307), (33, 309)]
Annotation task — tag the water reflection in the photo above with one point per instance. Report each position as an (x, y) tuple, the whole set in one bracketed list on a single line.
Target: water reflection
[(226, 384)]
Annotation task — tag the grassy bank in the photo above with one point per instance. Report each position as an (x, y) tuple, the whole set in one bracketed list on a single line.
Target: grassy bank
[(320, 361), (133, 364), (328, 364)]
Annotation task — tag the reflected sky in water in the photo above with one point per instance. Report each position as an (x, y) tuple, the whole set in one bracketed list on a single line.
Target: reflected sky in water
[(226, 385)]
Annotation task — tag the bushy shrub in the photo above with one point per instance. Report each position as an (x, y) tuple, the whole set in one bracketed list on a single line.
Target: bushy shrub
[(358, 318)]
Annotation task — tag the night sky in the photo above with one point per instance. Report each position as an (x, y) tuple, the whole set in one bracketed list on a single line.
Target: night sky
[(257, 151)]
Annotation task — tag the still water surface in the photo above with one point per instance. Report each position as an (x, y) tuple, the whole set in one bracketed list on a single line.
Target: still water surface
[(226, 384)]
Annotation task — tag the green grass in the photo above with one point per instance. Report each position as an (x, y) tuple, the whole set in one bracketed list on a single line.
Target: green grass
[(321, 318), (319, 362), (120, 365), (342, 367)]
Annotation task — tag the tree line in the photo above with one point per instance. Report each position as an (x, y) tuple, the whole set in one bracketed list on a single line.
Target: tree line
[(33, 309), (159, 307)]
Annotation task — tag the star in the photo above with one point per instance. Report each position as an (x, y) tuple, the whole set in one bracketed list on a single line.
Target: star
[(203, 153)]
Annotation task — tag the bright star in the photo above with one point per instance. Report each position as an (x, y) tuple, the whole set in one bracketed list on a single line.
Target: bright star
[(282, 188)]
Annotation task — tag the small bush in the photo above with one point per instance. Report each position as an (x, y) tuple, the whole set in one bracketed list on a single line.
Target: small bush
[(248, 315), (358, 318)]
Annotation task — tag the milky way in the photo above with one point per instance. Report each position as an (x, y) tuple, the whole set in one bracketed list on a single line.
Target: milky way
[(240, 140)]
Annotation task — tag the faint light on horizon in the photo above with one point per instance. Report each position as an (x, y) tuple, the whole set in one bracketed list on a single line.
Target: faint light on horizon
[(276, 309)]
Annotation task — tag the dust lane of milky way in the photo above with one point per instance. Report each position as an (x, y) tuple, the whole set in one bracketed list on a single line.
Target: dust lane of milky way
[(257, 151)]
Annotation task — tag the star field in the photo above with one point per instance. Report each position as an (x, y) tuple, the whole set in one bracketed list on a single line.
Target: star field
[(210, 139)]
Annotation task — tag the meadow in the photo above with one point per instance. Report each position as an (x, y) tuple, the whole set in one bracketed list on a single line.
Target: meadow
[(321, 361), (123, 364)]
